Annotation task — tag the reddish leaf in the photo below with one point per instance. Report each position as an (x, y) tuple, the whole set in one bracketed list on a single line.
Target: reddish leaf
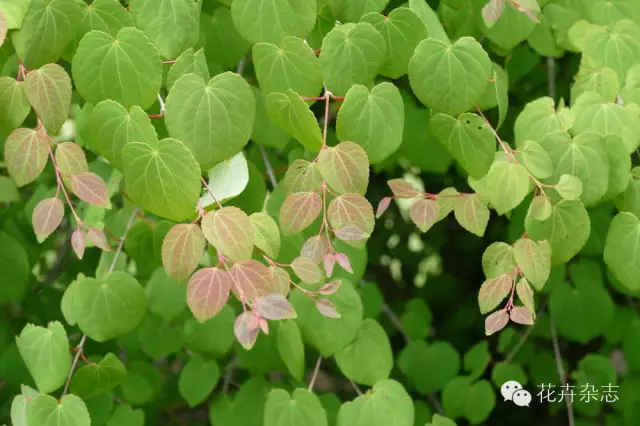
[(493, 291), (326, 308), (246, 336), (343, 261), (71, 159), (403, 189), (230, 231), (79, 242), (351, 209), (3, 28), (492, 11), (329, 262), (98, 238), (274, 307), (496, 322), (345, 167), (302, 176), (252, 279), (383, 206), (208, 292), (182, 249), (306, 270), (424, 213), (298, 211), (280, 280), (329, 288), (350, 233), (264, 325), (315, 248), (46, 217), (522, 315), (26, 153), (90, 187)]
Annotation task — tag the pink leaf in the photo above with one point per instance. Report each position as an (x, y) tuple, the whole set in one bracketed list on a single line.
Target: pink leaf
[(246, 336), (343, 261), (315, 248), (492, 11), (79, 242), (327, 308), (402, 188), (99, 239), (264, 325), (522, 315), (329, 262), (274, 307), (350, 233), (383, 206), (46, 217), (208, 292), (251, 279), (90, 187), (496, 322), (329, 288)]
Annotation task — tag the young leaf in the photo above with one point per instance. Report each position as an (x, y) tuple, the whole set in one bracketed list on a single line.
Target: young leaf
[(266, 235), (507, 185), (344, 262), (301, 408), (351, 209), (498, 259), (49, 92), (402, 189), (244, 330), (90, 188), (98, 238), (569, 187), (491, 12), (534, 260), (302, 176), (79, 242), (521, 315), (251, 279), (306, 269), (298, 211), (71, 159), (227, 179), (208, 292), (345, 167), (3, 28), (46, 218), (293, 116), (69, 411), (182, 250), (383, 206), (94, 379), (25, 155), (229, 230), (525, 294), (350, 233), (315, 248), (472, 214), (424, 214), (274, 307), (540, 208), (495, 322), (280, 280), (329, 288), (327, 309), (493, 291), (329, 261)]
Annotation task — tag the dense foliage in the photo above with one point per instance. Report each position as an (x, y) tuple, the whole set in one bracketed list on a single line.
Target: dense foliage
[(319, 212)]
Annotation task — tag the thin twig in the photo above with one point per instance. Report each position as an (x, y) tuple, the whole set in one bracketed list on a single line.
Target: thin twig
[(229, 375), (355, 387), (524, 337), (240, 68), (75, 363), (551, 73), (397, 323), (121, 243), (267, 163), (433, 399), (315, 373), (204, 182), (559, 366)]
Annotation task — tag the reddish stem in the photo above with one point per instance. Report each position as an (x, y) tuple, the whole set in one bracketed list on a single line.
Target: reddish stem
[(210, 192), (169, 62), (59, 179), (154, 116)]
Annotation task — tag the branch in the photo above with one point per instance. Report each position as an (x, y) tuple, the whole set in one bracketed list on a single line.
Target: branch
[(75, 363), (561, 372), (551, 73), (229, 375), (355, 387), (267, 163), (397, 323), (315, 373)]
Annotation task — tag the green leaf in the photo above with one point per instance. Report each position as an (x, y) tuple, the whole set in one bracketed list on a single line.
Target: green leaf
[(430, 19), (424, 214), (498, 259), (291, 348), (45, 351), (189, 62), (14, 105), (493, 291), (8, 190), (302, 176), (621, 249), (291, 65), (48, 27), (329, 335), (223, 45), (540, 118), (137, 71), (569, 187), (125, 415), (537, 160), (402, 30), (49, 92), (449, 78), (111, 127), (293, 116), (507, 185), (265, 130), (468, 139), (14, 11), (166, 297), (504, 372), (45, 410), (108, 307), (604, 47), (272, 21), (472, 214), (429, 367), (227, 179), (214, 119), (26, 153), (368, 359), (372, 119), (439, 420), (214, 336), (511, 28), (171, 25), (230, 231), (301, 408), (345, 167), (347, 11), (540, 208), (525, 294), (472, 400), (619, 165), (351, 54), (534, 260), (71, 159), (566, 230), (477, 359), (266, 235), (198, 379), (388, 403), (94, 379), (182, 250), (162, 177), (603, 81)]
